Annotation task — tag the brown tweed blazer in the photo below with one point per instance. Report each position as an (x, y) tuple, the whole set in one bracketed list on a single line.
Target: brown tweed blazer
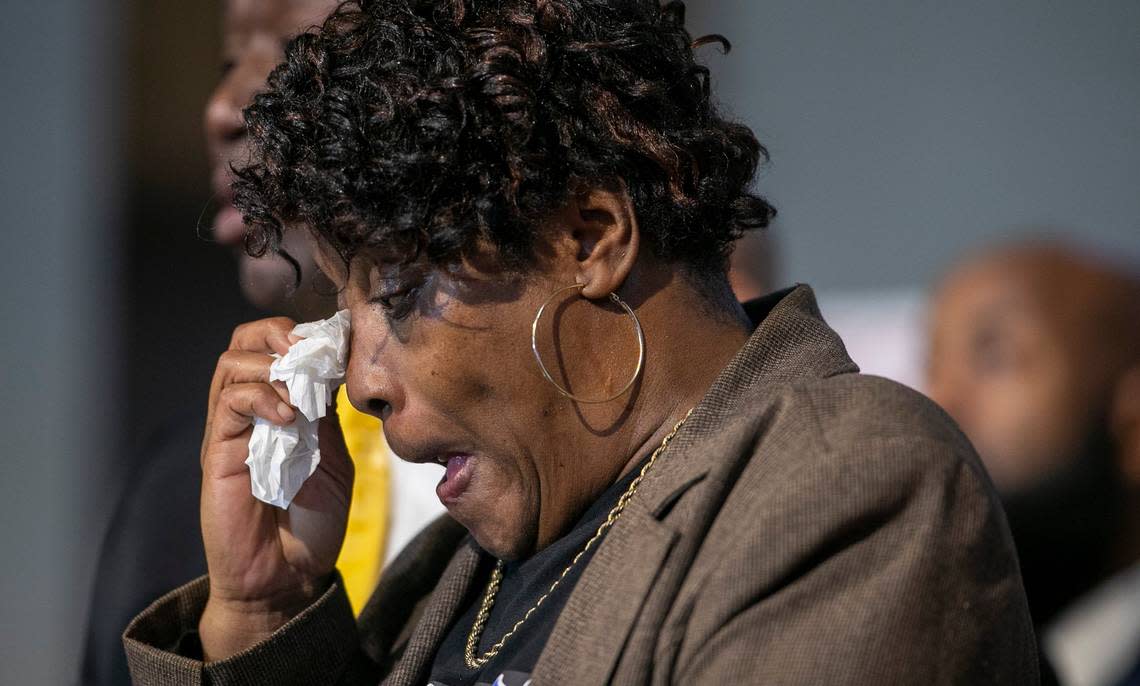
[(808, 525)]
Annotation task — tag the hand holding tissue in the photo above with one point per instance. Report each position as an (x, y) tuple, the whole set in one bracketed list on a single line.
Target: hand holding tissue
[(281, 458)]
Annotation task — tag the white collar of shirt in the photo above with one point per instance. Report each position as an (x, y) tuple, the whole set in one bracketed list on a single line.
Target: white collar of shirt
[(1097, 639)]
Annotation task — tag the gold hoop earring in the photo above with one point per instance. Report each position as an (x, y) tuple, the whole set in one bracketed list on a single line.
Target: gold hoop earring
[(640, 347)]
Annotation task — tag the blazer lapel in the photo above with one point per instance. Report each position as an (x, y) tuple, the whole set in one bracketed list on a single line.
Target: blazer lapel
[(593, 626), (442, 608)]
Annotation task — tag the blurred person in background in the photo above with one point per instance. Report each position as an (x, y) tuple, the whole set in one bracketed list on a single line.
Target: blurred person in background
[(255, 32), (154, 540), (1035, 351)]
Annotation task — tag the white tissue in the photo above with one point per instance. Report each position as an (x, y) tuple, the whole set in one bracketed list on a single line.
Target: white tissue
[(282, 457)]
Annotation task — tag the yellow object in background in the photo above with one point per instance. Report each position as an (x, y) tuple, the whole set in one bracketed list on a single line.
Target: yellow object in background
[(362, 555)]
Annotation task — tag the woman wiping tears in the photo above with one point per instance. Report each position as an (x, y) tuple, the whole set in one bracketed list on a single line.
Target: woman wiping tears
[(527, 207)]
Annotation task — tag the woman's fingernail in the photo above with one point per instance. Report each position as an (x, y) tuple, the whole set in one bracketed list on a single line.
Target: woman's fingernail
[(286, 412)]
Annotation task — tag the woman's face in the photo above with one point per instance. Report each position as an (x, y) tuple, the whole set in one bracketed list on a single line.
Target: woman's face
[(443, 357), (254, 36)]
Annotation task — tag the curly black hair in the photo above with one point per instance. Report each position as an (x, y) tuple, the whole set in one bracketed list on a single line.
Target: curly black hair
[(423, 127)]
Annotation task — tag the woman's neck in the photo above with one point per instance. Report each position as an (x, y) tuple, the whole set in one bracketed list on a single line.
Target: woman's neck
[(689, 343), (700, 345)]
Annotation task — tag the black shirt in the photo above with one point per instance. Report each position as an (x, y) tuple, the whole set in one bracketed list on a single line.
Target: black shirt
[(523, 583)]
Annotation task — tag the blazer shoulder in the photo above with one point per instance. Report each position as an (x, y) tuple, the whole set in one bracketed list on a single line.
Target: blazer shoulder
[(851, 406), (840, 445), (846, 416), (860, 511)]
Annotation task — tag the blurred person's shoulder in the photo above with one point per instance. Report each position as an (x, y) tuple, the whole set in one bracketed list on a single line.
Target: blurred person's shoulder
[(152, 544), (154, 540)]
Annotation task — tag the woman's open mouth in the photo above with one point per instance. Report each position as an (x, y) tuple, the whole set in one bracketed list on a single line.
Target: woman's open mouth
[(455, 480)]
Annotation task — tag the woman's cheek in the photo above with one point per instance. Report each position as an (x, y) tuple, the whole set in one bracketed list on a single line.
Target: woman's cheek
[(509, 520)]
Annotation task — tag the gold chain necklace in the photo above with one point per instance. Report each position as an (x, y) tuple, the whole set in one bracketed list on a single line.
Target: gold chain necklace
[(475, 661)]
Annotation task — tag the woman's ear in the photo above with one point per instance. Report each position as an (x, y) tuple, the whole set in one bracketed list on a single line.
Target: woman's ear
[(604, 230)]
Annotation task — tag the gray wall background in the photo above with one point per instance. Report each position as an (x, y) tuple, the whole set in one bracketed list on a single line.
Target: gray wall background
[(902, 133), (59, 266)]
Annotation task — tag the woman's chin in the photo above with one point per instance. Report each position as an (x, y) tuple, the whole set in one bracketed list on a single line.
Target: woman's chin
[(492, 517), (501, 545)]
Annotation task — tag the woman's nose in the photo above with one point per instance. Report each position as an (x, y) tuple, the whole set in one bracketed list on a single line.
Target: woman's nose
[(369, 378), (223, 118)]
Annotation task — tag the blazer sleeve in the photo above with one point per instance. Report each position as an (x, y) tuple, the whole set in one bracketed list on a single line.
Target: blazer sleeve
[(888, 561), (318, 647)]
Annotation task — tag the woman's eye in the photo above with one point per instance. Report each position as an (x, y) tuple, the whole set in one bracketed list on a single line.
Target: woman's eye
[(398, 304)]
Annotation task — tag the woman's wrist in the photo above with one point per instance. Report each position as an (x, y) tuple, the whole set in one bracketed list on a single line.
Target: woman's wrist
[(229, 626)]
